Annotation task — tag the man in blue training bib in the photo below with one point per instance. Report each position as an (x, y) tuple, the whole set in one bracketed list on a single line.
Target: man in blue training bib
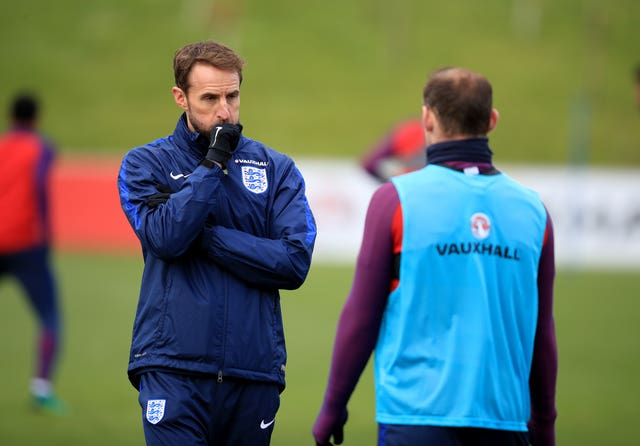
[(453, 289)]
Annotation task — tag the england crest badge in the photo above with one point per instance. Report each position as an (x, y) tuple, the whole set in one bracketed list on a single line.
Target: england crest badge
[(155, 410), (254, 179)]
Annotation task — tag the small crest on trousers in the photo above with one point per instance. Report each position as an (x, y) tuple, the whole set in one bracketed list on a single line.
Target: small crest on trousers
[(254, 179), (155, 410)]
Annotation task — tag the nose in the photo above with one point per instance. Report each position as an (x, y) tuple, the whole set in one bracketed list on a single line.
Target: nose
[(223, 113)]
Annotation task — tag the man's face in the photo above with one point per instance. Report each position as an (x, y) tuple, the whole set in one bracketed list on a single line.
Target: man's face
[(213, 98)]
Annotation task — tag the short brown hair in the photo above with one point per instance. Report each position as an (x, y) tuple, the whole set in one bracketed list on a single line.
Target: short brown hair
[(461, 99), (209, 52)]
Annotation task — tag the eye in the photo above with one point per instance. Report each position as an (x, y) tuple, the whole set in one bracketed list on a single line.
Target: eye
[(209, 97)]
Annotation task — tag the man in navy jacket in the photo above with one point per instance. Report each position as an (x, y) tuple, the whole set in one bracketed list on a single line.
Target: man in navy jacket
[(224, 223)]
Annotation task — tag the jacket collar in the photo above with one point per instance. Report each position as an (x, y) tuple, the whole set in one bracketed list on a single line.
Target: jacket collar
[(190, 141)]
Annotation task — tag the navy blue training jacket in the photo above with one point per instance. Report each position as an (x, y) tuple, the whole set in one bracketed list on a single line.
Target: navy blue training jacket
[(215, 256)]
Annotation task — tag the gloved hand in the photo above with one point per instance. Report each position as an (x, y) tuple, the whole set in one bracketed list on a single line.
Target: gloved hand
[(159, 198), (331, 425), (224, 140)]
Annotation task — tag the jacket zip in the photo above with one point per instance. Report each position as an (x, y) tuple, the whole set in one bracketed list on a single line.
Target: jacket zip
[(224, 327)]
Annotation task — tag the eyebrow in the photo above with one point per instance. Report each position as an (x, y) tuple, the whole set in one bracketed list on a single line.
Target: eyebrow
[(217, 95)]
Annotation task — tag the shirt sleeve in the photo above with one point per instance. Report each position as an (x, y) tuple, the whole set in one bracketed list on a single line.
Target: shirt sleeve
[(360, 319), (374, 159), (544, 367), (169, 230), (281, 261)]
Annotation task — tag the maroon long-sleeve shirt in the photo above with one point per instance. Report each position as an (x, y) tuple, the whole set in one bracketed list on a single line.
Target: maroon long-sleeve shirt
[(361, 316)]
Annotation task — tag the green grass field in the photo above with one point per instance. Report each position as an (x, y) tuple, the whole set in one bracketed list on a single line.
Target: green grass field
[(322, 78), (330, 77), (597, 325)]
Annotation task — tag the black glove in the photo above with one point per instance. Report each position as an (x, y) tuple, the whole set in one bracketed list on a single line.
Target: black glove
[(159, 198), (224, 140)]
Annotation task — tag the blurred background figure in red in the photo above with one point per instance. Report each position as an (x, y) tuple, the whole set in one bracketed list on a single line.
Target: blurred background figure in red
[(402, 150), (25, 237)]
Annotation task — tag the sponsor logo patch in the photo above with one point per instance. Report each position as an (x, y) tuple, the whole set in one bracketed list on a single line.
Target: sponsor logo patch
[(264, 425), (480, 226), (177, 176), (254, 179), (155, 410)]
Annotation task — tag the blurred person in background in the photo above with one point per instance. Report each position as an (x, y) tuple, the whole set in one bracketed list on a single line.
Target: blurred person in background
[(453, 289), (224, 224), (25, 237), (401, 150)]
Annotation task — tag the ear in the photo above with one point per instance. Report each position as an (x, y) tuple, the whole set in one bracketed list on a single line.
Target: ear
[(493, 119), (180, 97), (427, 119)]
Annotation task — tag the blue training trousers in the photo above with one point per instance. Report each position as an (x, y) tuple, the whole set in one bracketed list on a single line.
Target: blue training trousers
[(180, 409), (405, 435)]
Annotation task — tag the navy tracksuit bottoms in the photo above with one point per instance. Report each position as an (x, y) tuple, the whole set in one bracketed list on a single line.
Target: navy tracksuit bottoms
[(405, 435), (180, 409)]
